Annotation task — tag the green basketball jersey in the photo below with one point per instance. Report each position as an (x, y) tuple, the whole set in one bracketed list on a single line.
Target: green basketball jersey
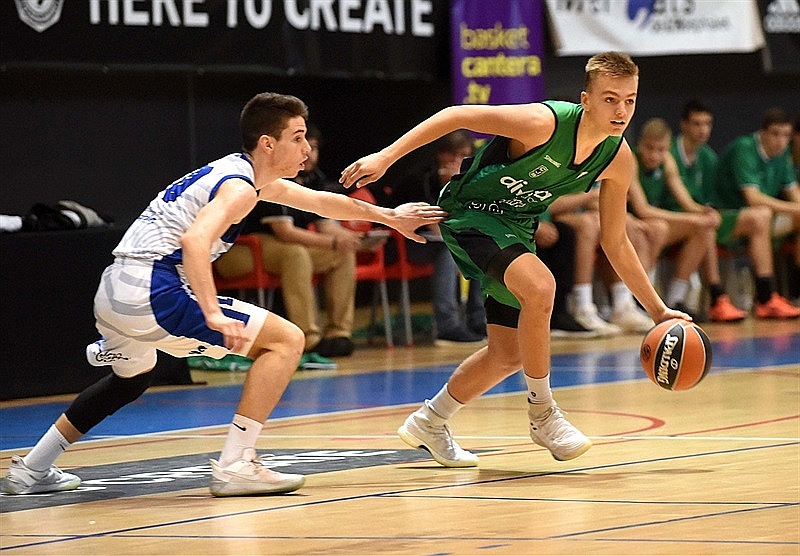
[(654, 184), (519, 190), (743, 164), (699, 177)]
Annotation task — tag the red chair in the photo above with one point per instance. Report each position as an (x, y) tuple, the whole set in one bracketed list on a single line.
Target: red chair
[(370, 267), (405, 271), (259, 279), (402, 269)]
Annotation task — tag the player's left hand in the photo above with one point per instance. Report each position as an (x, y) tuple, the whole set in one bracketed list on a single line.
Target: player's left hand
[(408, 217)]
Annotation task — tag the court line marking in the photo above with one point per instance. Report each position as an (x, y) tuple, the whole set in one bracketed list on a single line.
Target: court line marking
[(481, 437), (406, 492)]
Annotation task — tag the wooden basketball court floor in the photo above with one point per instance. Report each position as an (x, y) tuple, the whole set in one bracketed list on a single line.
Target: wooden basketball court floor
[(714, 470)]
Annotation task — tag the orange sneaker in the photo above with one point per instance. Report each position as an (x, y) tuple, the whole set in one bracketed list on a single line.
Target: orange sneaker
[(725, 311), (777, 307)]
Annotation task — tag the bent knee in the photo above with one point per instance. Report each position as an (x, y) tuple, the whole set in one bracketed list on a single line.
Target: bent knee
[(279, 334), (535, 290)]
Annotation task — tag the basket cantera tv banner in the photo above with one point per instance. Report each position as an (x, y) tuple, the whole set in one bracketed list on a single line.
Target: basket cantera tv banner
[(392, 39), (496, 52)]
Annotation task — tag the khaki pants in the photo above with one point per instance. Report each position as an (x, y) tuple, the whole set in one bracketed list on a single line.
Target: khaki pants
[(296, 265)]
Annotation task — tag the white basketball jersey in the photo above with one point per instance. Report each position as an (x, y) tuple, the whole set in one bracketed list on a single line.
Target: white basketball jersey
[(156, 233)]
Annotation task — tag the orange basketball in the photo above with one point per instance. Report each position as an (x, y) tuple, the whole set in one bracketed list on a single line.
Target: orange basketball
[(676, 354)]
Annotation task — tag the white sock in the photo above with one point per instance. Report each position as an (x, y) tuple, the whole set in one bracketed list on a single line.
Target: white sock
[(539, 393), (621, 296), (49, 447), (677, 292), (242, 433), (581, 296), (441, 407)]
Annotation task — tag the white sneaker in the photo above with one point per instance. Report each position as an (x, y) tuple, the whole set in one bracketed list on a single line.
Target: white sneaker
[(21, 479), (419, 432), (630, 318), (552, 431), (588, 318), (250, 476)]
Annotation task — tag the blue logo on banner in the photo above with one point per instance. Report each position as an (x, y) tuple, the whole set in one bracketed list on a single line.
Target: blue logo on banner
[(635, 6)]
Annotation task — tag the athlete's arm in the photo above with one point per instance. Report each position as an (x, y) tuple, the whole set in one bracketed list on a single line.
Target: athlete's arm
[(614, 239), (754, 197), (234, 200), (643, 209), (405, 218), (672, 177), (527, 125)]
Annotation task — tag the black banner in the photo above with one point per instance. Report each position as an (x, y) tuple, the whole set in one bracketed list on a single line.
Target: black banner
[(393, 39), (781, 22)]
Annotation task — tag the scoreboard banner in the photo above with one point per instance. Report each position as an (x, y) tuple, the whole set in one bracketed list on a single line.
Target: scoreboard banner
[(393, 39)]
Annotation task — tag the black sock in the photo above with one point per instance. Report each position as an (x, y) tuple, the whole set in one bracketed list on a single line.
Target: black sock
[(714, 291), (765, 285), (794, 278)]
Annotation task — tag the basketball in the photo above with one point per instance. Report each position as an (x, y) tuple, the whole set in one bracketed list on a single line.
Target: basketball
[(676, 354)]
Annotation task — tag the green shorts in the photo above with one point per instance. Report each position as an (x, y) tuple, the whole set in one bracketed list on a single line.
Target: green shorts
[(726, 227), (474, 239)]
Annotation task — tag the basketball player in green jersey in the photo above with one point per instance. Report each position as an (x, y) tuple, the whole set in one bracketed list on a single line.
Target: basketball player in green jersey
[(540, 151)]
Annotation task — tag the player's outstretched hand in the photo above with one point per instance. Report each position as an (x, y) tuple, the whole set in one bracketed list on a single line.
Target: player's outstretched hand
[(408, 217), (365, 170)]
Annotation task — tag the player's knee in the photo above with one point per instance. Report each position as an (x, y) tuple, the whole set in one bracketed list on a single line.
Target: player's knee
[(535, 292), (104, 398), (761, 218)]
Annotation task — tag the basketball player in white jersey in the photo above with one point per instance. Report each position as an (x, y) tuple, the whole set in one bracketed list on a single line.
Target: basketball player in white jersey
[(159, 294)]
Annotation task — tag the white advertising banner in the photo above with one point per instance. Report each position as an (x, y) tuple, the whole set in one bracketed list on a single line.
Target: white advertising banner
[(654, 27)]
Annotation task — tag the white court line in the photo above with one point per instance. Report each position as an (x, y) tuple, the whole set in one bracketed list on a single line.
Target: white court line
[(501, 438)]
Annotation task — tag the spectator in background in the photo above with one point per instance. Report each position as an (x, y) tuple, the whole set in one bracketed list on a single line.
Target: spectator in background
[(555, 246), (424, 184), (756, 171), (297, 253), (694, 227), (581, 212), (697, 165), (796, 149)]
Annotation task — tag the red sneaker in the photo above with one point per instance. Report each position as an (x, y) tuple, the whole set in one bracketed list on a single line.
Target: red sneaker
[(777, 308), (725, 311)]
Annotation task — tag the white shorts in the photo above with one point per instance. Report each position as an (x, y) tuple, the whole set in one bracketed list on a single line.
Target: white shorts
[(142, 306)]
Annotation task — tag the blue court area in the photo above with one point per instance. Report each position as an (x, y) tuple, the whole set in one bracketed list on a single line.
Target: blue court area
[(203, 406)]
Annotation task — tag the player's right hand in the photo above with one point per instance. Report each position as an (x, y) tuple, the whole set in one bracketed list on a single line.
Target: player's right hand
[(232, 331)]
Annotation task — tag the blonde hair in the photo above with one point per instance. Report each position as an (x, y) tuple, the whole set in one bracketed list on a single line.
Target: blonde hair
[(657, 129), (612, 64)]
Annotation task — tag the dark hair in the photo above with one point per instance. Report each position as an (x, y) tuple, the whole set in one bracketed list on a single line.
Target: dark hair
[(774, 116), (695, 105), (268, 114), (313, 132), (454, 141)]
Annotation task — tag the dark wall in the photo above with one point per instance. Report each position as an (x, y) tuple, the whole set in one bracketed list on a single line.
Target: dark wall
[(113, 140)]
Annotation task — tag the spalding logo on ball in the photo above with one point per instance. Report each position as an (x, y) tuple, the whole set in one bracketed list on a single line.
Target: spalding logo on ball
[(676, 354)]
